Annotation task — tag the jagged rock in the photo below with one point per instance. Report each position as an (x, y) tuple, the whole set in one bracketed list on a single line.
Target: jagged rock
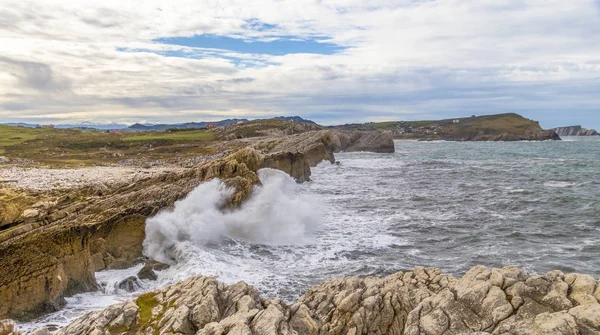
[(423, 301), (30, 213), (8, 327), (147, 272), (292, 163), (371, 141), (575, 131), (531, 134), (129, 284), (4, 159)]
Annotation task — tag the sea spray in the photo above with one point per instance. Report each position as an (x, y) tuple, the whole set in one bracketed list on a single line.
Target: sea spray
[(276, 214)]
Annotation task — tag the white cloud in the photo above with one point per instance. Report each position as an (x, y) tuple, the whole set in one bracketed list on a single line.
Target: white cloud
[(60, 59)]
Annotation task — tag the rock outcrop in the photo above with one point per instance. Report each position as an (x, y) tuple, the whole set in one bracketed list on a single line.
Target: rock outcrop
[(531, 134), (575, 131), (423, 301), (370, 141), (55, 252)]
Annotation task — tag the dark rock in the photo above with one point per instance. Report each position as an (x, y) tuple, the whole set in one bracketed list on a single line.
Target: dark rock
[(129, 284), (147, 272)]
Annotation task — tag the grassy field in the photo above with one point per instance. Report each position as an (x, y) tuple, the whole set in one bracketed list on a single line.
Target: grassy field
[(15, 135), (196, 135), (64, 147)]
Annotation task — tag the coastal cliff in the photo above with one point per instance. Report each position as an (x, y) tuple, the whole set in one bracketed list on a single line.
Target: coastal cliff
[(575, 131), (500, 127), (54, 248), (422, 301)]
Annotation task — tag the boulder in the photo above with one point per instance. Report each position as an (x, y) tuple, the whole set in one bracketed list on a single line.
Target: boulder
[(147, 272), (129, 284)]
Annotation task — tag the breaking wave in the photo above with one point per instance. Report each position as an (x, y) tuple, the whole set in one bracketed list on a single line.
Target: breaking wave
[(276, 214)]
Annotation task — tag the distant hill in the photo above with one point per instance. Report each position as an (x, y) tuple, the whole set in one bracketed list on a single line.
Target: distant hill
[(21, 124), (499, 127), (575, 131), (187, 125), (138, 127), (91, 125)]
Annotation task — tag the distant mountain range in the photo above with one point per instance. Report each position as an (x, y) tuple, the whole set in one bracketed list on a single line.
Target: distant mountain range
[(187, 125), (153, 127)]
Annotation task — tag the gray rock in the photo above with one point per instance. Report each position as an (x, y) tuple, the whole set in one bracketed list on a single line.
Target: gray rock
[(147, 272), (130, 284)]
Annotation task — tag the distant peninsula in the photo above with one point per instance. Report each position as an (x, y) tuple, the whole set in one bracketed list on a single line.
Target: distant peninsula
[(499, 127)]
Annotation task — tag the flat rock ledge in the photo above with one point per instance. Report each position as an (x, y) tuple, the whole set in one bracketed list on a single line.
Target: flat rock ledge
[(423, 301)]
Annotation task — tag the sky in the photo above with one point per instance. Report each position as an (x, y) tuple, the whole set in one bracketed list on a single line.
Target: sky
[(332, 61)]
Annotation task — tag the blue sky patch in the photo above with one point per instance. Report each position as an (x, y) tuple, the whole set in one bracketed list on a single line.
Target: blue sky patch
[(281, 46), (257, 25), (202, 54)]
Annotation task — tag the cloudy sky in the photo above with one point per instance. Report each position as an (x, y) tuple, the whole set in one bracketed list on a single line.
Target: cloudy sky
[(333, 61)]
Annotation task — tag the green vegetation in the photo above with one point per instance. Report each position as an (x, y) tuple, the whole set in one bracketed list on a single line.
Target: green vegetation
[(71, 147), (13, 135), (509, 123), (197, 135), (146, 303)]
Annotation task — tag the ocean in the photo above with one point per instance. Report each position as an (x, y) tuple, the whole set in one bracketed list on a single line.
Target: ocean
[(448, 205)]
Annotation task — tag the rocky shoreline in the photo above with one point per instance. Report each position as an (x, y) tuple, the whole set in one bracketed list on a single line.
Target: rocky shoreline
[(54, 246), (422, 301)]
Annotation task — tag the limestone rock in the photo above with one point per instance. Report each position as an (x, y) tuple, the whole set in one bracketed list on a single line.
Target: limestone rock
[(30, 213), (424, 301), (8, 327), (370, 141)]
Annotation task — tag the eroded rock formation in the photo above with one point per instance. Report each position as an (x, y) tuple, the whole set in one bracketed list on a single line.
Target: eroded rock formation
[(56, 251), (531, 134), (575, 131), (423, 301)]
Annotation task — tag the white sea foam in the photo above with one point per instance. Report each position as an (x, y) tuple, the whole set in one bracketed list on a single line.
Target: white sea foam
[(559, 184), (276, 214)]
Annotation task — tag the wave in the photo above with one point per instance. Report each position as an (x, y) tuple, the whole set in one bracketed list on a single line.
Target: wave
[(276, 214)]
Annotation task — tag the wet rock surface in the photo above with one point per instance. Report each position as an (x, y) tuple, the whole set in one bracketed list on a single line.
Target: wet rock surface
[(148, 271), (423, 301)]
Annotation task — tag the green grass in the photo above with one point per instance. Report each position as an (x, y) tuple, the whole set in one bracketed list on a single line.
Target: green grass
[(173, 136), (14, 135), (72, 147)]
